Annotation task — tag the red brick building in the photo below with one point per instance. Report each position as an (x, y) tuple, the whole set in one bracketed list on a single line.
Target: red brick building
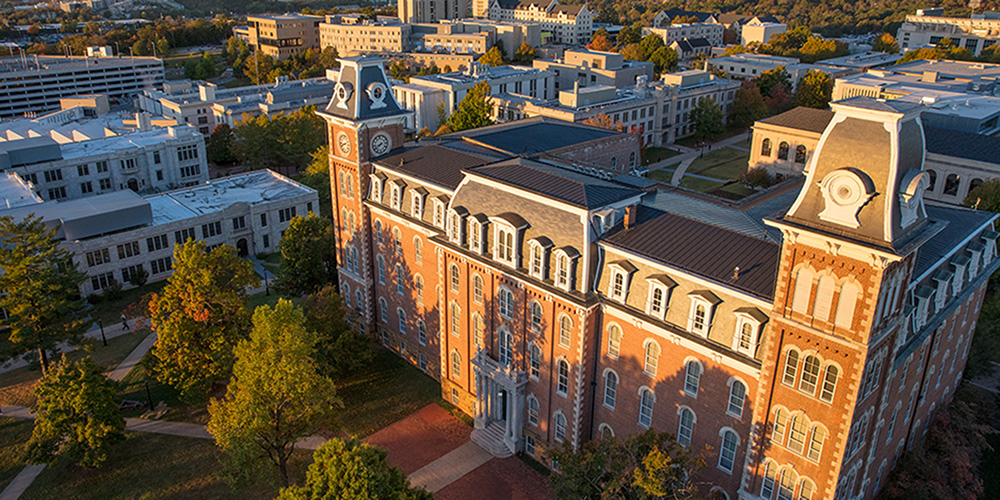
[(805, 339)]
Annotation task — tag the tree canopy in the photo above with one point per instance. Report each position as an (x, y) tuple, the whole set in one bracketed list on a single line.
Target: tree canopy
[(200, 316), (645, 466), (276, 396), (525, 53), (279, 140), (340, 347), (317, 176), (815, 90), (308, 255), (352, 470), (474, 111), (885, 43), (748, 105), (985, 196), (708, 119), (41, 286), (492, 57), (77, 416)]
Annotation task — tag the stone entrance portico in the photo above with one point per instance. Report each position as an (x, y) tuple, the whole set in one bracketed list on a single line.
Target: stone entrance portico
[(500, 406)]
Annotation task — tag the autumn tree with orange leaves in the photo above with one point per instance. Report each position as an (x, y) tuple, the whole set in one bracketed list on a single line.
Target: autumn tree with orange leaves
[(200, 316), (604, 121)]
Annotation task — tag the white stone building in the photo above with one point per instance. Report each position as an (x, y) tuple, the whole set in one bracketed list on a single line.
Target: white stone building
[(929, 26), (568, 24)]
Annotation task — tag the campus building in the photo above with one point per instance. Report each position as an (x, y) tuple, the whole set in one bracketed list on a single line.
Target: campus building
[(929, 26), (807, 339), (431, 11), (115, 236), (283, 36), (586, 67), (712, 33), (351, 34), (35, 84), (567, 24)]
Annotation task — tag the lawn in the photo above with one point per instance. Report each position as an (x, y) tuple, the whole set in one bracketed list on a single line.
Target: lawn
[(738, 189), (151, 467), (14, 434), (720, 161), (654, 154), (662, 175), (110, 311), (691, 142), (237, 82), (385, 391), (16, 385), (696, 184)]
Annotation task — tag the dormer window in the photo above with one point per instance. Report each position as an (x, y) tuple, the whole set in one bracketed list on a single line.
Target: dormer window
[(378, 183), (439, 207), (924, 295), (942, 278), (658, 298), (565, 267), (538, 258), (990, 238), (620, 275), (703, 304), (507, 227), (396, 195), (456, 225), (417, 202), (477, 224), (749, 321), (961, 262)]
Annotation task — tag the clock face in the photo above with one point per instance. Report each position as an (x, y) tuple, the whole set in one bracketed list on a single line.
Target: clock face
[(344, 143), (381, 144)]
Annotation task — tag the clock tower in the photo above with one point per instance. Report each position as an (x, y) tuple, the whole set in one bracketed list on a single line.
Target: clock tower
[(364, 122)]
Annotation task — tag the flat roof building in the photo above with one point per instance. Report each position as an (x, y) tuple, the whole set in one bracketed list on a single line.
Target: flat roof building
[(748, 66), (285, 35), (675, 32), (585, 67), (929, 26)]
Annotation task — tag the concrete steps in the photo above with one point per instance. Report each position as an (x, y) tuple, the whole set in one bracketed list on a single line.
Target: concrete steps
[(491, 439)]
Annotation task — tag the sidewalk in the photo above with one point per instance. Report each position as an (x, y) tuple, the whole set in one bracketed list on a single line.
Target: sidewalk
[(94, 333), (686, 159), (121, 371), (440, 473), (20, 483)]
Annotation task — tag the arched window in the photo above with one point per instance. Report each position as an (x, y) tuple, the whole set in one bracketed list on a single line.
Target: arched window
[(807, 488), (652, 358), (614, 163), (810, 375), (803, 289), (397, 237), (565, 331), (737, 394), (607, 432), (360, 299), (380, 262), (535, 316), (767, 484), (418, 250), (347, 294), (560, 427), (692, 377), (646, 400), (845, 305), (824, 297), (610, 389), (478, 325), (765, 147), (562, 384), (456, 278), (800, 154), (402, 321), (786, 485), (951, 185), (456, 364), (816, 443), (418, 284), (534, 360), (796, 433), (932, 178), (829, 384), (780, 423), (747, 343), (506, 348), (700, 315), (791, 367), (354, 259), (727, 452), (783, 151), (532, 410), (506, 303), (383, 309), (685, 427), (400, 288), (421, 332), (614, 341), (631, 160), (378, 232), (562, 271), (477, 289)]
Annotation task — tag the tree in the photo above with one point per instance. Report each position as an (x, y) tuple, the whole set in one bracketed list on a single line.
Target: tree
[(352, 470), (650, 44), (492, 57), (768, 79), (219, 146), (601, 43), (708, 119), (885, 43), (664, 60), (276, 396), (644, 466), (748, 105), (200, 316), (308, 255), (41, 286), (341, 348), (756, 177), (779, 99), (317, 176), (475, 110), (77, 416), (985, 196), (629, 35), (815, 90), (632, 52), (604, 121), (525, 53)]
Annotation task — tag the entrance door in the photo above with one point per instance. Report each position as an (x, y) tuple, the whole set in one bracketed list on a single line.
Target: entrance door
[(241, 247), (503, 405), (133, 184)]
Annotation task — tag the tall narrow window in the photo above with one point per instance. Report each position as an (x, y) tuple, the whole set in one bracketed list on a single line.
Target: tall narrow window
[(829, 384), (845, 305), (767, 484), (383, 310), (506, 303), (791, 368), (477, 289), (562, 386), (560, 433), (692, 378), (783, 151), (685, 429), (656, 301), (778, 431), (400, 284), (824, 298), (610, 389), (737, 393), (810, 375), (765, 147), (456, 278), (699, 318), (646, 408), (786, 485), (565, 331), (803, 289), (381, 269), (562, 271), (456, 319), (727, 453), (796, 433), (652, 358), (816, 443), (478, 325), (418, 284), (418, 250), (397, 240), (614, 341), (535, 316), (506, 348), (402, 321), (535, 361), (532, 410), (746, 343), (456, 364)]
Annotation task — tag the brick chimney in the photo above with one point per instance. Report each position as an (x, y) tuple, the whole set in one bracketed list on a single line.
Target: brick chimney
[(630, 213)]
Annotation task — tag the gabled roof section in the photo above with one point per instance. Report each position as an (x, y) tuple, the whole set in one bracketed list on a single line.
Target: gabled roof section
[(802, 118), (557, 183), (681, 242), (434, 163), (960, 144), (959, 224)]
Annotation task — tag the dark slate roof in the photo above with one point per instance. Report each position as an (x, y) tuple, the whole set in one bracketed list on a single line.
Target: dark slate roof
[(699, 42), (533, 138), (959, 144), (960, 222), (434, 163), (558, 183), (701, 16), (681, 242), (802, 118), (865, 102)]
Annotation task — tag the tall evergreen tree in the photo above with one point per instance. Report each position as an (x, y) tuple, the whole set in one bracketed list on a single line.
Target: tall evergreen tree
[(308, 255), (41, 290), (708, 119), (475, 110)]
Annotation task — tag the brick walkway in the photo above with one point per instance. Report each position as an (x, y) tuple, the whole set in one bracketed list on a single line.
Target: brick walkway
[(499, 479), (421, 438)]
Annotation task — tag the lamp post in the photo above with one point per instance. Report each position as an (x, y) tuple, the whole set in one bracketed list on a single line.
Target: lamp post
[(149, 397), (100, 322), (267, 286)]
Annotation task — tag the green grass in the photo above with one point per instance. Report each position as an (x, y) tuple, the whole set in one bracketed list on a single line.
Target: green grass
[(745, 144), (717, 157), (662, 175), (14, 434), (654, 154), (387, 390), (691, 142), (152, 467), (738, 189), (110, 311), (696, 184), (237, 82), (730, 170)]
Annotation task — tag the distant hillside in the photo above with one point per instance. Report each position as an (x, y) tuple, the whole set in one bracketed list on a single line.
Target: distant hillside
[(242, 7)]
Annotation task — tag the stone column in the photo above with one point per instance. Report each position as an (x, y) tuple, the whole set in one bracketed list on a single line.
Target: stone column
[(509, 431)]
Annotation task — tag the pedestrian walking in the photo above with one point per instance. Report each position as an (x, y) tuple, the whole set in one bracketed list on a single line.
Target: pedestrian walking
[(124, 323)]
